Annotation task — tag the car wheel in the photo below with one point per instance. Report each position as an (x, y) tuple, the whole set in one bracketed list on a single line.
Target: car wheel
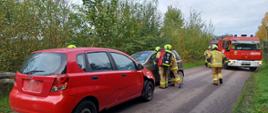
[(182, 77), (148, 91), (86, 107)]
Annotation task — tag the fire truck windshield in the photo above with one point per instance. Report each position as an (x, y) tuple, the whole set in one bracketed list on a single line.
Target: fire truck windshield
[(246, 45)]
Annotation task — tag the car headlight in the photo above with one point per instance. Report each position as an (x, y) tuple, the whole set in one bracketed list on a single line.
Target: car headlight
[(231, 61), (260, 62)]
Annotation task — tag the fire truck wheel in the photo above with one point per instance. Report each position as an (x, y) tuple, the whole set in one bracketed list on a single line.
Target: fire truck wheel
[(253, 68)]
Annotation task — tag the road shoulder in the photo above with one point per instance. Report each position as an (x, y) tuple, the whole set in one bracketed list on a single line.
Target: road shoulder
[(254, 97)]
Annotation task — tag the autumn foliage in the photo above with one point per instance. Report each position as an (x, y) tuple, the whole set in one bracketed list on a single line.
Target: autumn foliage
[(262, 32)]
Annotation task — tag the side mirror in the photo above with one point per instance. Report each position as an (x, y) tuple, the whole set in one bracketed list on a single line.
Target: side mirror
[(140, 67)]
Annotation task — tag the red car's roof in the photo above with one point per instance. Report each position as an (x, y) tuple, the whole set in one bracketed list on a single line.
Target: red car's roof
[(68, 50)]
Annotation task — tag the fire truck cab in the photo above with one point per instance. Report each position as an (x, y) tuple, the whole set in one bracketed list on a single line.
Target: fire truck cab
[(241, 51)]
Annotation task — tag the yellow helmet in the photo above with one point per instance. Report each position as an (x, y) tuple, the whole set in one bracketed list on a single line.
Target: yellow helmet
[(157, 48), (71, 46), (168, 47)]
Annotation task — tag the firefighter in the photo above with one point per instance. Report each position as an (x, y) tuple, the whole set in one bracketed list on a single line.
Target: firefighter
[(216, 64), (71, 46), (155, 61), (206, 54), (166, 64)]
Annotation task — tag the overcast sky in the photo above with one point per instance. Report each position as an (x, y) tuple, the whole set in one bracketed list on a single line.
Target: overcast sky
[(227, 16)]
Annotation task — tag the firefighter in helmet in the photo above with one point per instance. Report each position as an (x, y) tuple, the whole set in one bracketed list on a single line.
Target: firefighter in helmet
[(155, 61), (166, 64), (206, 54), (216, 58)]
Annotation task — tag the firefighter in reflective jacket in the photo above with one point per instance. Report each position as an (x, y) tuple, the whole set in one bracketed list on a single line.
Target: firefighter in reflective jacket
[(167, 63), (216, 64)]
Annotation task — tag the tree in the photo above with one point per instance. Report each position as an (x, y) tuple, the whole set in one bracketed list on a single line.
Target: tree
[(262, 32), (190, 38), (130, 26), (28, 26), (173, 28)]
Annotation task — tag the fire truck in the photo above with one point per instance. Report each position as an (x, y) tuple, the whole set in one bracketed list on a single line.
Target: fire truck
[(241, 51)]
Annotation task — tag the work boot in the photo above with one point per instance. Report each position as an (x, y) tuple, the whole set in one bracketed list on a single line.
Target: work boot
[(180, 85), (221, 82), (216, 84)]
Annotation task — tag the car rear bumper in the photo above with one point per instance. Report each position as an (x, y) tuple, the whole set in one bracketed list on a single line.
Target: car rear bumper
[(244, 63), (24, 103)]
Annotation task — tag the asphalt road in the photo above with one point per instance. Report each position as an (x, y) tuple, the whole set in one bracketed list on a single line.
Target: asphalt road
[(197, 96)]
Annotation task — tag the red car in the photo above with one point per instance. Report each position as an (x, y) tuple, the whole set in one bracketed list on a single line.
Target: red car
[(79, 80)]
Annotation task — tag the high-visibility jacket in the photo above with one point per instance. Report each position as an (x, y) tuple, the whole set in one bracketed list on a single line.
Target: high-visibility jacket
[(207, 53), (159, 55), (216, 58), (165, 58)]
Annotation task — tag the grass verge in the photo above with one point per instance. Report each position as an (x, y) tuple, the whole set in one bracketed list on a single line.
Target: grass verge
[(254, 96), (4, 101), (193, 64)]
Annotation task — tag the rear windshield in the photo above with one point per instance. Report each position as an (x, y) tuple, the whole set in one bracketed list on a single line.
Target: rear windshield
[(44, 64), (178, 57), (246, 46), (141, 57)]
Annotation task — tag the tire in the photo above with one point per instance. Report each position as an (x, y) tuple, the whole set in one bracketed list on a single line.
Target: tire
[(181, 74), (253, 68), (148, 91), (86, 107)]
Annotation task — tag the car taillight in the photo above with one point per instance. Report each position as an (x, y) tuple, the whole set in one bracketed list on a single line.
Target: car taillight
[(60, 83)]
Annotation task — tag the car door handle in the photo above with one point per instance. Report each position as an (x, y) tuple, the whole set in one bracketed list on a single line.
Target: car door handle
[(94, 77), (124, 75)]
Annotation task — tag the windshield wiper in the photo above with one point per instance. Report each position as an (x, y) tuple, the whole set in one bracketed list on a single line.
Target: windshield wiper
[(34, 71)]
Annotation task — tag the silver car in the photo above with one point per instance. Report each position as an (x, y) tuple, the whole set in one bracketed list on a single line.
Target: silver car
[(147, 58)]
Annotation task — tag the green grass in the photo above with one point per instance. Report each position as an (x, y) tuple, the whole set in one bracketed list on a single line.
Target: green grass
[(193, 64), (4, 106), (4, 101), (254, 97)]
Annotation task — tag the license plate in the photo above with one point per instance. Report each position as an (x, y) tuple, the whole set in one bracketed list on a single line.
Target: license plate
[(32, 86), (245, 63)]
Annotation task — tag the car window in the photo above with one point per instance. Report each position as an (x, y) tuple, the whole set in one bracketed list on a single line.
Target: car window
[(99, 61), (153, 57), (45, 64), (123, 62), (178, 57), (81, 61), (142, 56)]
